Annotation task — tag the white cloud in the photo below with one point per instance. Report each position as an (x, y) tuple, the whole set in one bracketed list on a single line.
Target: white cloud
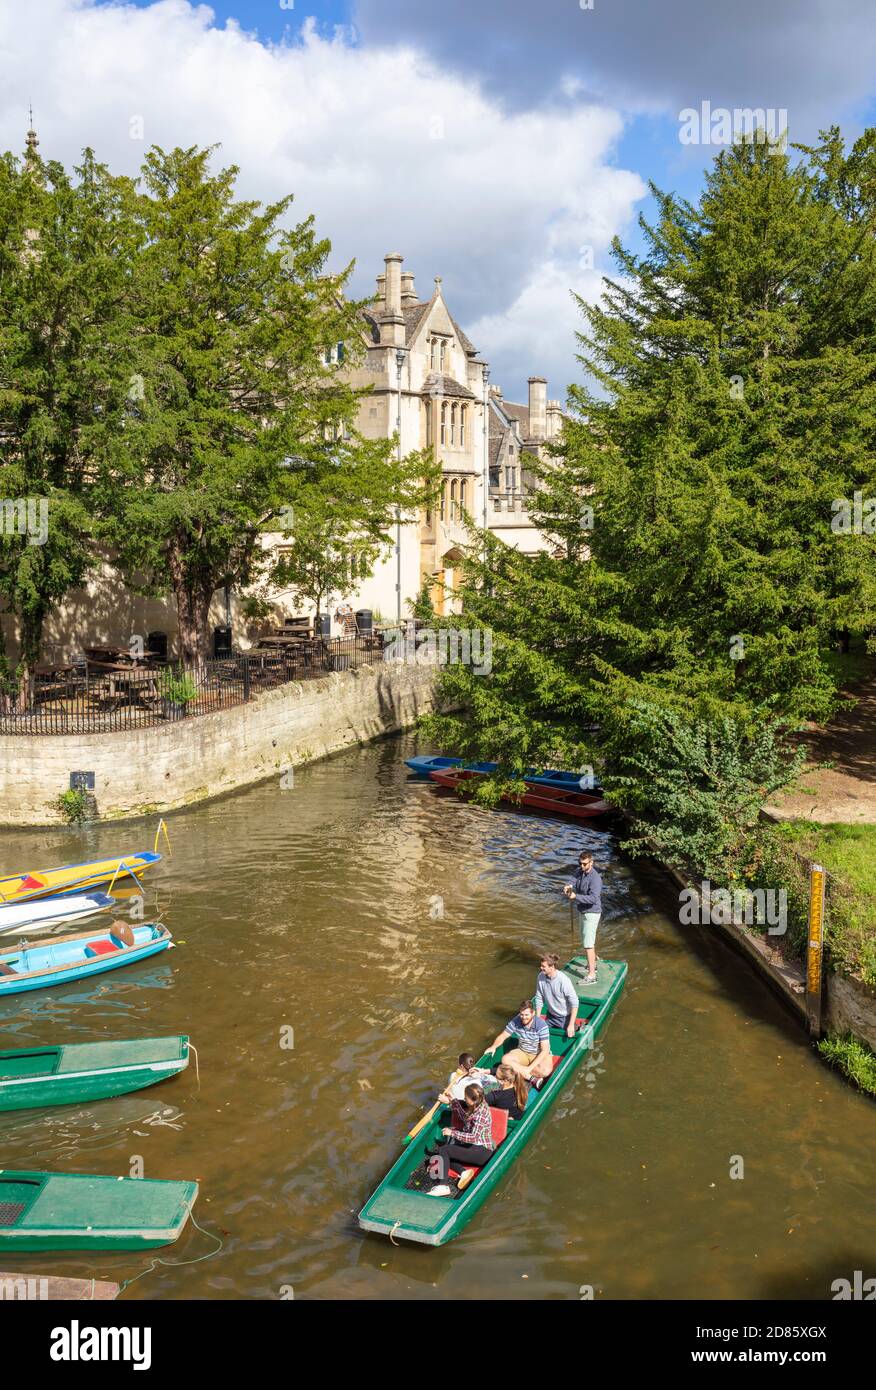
[(389, 151)]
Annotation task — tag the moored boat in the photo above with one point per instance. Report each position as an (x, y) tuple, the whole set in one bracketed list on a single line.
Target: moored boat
[(403, 1207), (49, 912), (55, 962), (77, 1073), (582, 805), (83, 1211), (73, 878), (424, 764)]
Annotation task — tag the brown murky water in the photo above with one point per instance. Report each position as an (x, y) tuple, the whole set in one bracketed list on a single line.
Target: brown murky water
[(312, 907)]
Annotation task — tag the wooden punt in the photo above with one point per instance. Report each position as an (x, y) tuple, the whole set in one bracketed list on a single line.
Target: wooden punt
[(399, 1208), (76, 1073), (63, 958), (74, 877), (582, 805), (423, 764), (83, 1211)]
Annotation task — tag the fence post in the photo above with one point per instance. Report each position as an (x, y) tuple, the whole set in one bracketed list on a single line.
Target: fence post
[(246, 678), (815, 949)]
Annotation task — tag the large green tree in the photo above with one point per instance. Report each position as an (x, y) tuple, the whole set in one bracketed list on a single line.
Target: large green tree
[(236, 402), (65, 243), (730, 403)]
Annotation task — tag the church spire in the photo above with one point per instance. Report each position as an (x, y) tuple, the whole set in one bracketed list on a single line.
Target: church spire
[(32, 141)]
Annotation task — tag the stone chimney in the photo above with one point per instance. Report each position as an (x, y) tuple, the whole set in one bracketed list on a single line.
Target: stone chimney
[(537, 407), (496, 391), (392, 325), (554, 419), (408, 293)]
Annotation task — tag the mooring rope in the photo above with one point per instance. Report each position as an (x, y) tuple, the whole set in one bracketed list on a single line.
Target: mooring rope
[(192, 1048), (172, 1264)]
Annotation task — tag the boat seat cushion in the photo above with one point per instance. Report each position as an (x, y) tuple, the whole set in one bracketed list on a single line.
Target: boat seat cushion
[(556, 1062), (101, 948), (499, 1123)]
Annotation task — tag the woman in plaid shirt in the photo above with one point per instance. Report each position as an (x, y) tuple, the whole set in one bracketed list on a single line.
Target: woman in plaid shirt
[(469, 1142)]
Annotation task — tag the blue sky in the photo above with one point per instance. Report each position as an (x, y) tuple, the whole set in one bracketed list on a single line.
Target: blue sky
[(497, 143)]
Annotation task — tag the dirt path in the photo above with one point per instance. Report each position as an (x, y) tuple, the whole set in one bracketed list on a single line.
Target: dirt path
[(846, 791)]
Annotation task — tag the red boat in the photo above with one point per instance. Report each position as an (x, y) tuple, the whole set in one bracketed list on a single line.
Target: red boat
[(583, 805)]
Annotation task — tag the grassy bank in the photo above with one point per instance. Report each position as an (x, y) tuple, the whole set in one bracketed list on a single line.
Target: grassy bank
[(853, 1058), (848, 852)]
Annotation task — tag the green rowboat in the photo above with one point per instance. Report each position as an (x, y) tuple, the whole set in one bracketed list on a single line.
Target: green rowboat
[(76, 1073), (398, 1209), (81, 1211)]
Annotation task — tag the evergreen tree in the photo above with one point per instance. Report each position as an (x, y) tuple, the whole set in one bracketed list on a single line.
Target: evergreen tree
[(63, 248)]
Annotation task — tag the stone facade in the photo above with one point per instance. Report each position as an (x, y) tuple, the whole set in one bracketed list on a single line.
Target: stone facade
[(427, 382)]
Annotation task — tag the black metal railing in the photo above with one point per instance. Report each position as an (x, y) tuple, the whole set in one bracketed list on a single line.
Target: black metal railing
[(85, 700)]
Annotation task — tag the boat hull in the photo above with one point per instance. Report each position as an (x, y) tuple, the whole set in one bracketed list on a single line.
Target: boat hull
[(425, 764), (74, 878), (407, 1215), (41, 964), (45, 913), (31, 1078), (83, 1211), (581, 805)]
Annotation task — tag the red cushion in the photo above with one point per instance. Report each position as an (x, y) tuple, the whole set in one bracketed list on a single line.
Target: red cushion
[(556, 1062), (101, 948), (499, 1120)]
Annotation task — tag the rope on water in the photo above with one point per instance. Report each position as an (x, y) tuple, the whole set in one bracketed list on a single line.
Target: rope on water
[(192, 1048), (172, 1264), (392, 1238)]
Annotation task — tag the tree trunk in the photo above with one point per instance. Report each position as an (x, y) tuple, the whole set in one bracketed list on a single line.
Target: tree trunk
[(193, 598), (31, 642)]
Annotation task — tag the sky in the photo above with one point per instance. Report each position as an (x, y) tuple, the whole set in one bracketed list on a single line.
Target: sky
[(500, 144)]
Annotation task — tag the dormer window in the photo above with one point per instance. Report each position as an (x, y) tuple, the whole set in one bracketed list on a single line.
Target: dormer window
[(442, 354)]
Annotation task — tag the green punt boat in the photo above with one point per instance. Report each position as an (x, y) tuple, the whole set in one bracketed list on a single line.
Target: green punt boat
[(396, 1208), (79, 1072), (81, 1211)]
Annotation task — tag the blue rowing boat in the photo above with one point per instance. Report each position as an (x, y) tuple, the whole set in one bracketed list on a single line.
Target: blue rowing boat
[(66, 958), (425, 765)]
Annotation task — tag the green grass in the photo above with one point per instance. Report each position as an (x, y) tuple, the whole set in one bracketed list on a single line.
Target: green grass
[(853, 1058), (849, 668), (848, 852)]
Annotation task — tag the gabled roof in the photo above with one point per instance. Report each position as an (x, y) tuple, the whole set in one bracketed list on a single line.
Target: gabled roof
[(437, 383)]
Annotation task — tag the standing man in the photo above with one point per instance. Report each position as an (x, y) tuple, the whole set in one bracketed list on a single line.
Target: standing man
[(586, 893), (557, 995)]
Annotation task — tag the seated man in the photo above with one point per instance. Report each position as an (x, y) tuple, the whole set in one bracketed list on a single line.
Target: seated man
[(532, 1056)]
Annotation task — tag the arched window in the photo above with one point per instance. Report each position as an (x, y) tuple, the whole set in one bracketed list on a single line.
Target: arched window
[(442, 353), (453, 423), (432, 346), (442, 511), (443, 422), (453, 499), (462, 499), (462, 414)]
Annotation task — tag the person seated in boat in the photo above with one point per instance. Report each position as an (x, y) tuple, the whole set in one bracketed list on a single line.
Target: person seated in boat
[(468, 1141), (556, 996), (532, 1055), (512, 1092), (466, 1072)]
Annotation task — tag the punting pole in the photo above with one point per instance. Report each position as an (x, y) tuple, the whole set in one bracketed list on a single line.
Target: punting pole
[(815, 949), (162, 826)]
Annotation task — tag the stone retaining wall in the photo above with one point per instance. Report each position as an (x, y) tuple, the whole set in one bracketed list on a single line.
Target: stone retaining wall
[(140, 771)]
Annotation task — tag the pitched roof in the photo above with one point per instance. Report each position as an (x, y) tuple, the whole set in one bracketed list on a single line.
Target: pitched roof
[(439, 384)]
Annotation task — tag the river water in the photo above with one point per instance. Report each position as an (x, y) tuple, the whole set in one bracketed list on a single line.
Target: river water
[(389, 927)]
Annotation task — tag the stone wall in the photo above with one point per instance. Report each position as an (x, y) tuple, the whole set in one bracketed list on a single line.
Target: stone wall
[(156, 769)]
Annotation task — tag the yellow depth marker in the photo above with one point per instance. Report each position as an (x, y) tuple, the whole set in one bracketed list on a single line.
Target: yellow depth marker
[(815, 947)]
